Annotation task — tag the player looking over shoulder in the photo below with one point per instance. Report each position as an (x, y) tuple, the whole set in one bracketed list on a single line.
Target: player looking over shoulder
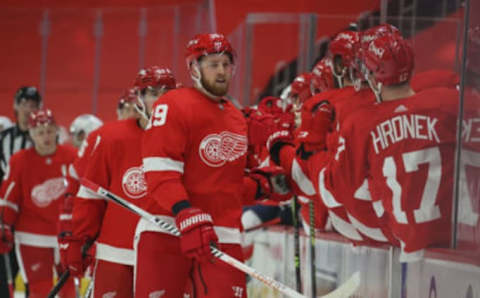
[(115, 163)]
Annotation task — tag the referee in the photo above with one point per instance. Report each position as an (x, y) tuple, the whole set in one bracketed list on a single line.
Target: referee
[(13, 139)]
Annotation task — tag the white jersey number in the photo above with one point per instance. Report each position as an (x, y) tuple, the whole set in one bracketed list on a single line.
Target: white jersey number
[(427, 211), (160, 115), (468, 191)]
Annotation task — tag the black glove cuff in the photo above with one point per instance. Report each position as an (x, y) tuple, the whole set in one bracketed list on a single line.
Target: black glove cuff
[(275, 151), (179, 206)]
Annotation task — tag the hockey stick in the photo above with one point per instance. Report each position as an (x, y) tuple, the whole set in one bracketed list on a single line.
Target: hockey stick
[(66, 274), (345, 290), (270, 223), (296, 244), (174, 231), (312, 247), (8, 269), (59, 285)]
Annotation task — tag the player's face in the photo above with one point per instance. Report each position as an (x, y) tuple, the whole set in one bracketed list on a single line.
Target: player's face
[(77, 139), (151, 96), (45, 138), (216, 72), (23, 110)]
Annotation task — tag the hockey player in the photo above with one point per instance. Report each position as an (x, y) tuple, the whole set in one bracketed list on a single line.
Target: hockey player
[(126, 104), (114, 163), (30, 196), (194, 156), (82, 126), (404, 146), (27, 99)]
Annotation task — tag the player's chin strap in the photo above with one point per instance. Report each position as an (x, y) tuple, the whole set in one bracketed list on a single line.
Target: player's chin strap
[(196, 76), (376, 88), (339, 76), (140, 106)]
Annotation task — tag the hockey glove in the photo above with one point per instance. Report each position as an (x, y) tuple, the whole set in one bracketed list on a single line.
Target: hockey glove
[(197, 234), (6, 239), (317, 121), (73, 256), (272, 183)]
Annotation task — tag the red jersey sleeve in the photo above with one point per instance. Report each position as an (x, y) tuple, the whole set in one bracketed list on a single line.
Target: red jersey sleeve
[(163, 148), (10, 193), (89, 208)]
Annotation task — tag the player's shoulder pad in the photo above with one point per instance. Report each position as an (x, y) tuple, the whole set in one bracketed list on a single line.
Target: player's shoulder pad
[(114, 129)]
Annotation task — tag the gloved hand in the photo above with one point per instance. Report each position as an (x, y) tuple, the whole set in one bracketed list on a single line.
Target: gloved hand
[(317, 121), (64, 223), (73, 255), (6, 239), (196, 229), (262, 126), (273, 183)]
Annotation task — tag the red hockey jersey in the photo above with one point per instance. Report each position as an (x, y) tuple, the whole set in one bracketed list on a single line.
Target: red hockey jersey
[(406, 150), (435, 78), (114, 163), (195, 149), (31, 192)]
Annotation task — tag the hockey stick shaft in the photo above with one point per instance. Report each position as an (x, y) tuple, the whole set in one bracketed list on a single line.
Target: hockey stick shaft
[(66, 274), (174, 231), (270, 223), (296, 243), (59, 285), (312, 247), (8, 269)]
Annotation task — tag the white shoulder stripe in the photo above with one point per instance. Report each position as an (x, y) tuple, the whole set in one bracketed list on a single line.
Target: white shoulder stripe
[(8, 204), (374, 233), (326, 195), (85, 193), (154, 164), (4, 201), (301, 179)]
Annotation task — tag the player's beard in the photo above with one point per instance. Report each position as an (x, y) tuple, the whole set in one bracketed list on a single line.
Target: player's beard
[(215, 88)]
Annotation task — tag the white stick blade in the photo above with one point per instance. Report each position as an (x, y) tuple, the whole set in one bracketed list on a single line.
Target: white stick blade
[(347, 289)]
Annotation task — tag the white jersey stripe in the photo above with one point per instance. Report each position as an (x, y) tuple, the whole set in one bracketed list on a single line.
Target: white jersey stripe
[(154, 164), (326, 195), (301, 179)]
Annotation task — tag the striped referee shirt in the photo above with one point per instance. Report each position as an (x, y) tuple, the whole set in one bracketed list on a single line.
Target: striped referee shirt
[(12, 140)]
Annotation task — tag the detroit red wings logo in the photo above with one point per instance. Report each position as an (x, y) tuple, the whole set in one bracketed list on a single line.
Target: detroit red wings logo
[(216, 149), (133, 183), (47, 192)]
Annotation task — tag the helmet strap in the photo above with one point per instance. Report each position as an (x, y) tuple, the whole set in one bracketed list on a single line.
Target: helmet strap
[(196, 76), (376, 88)]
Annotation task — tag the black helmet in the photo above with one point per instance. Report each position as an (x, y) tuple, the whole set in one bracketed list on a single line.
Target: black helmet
[(28, 93)]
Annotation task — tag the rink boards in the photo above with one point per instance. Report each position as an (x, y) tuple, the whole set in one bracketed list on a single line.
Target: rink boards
[(439, 275)]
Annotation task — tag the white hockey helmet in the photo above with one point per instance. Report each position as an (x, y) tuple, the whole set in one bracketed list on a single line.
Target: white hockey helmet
[(85, 123)]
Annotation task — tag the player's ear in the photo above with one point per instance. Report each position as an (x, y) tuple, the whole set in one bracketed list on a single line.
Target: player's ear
[(195, 70)]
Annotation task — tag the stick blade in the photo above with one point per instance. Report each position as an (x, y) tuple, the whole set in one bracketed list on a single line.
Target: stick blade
[(347, 289)]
